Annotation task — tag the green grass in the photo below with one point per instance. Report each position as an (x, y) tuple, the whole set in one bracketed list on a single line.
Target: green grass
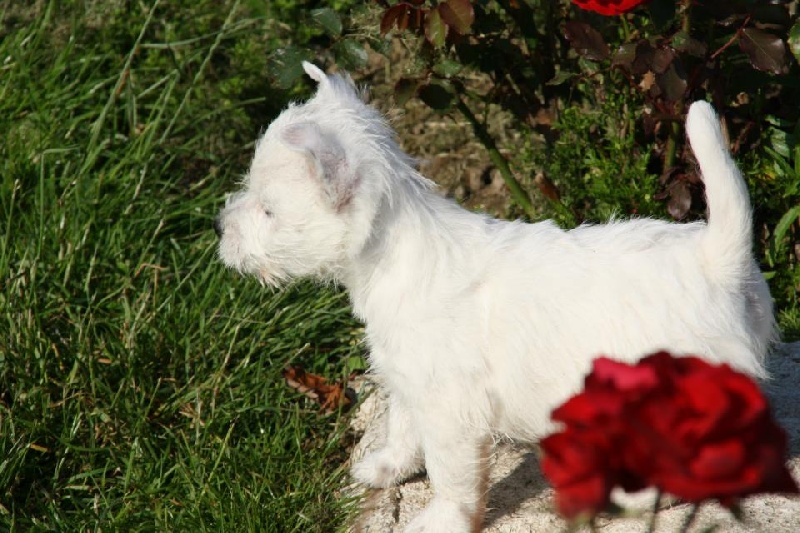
[(140, 385), (789, 320)]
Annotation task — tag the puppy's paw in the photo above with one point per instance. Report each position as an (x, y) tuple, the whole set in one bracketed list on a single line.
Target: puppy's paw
[(642, 500), (441, 516), (386, 467)]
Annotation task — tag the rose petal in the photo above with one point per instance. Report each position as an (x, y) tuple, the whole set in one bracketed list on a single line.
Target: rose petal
[(718, 461), (624, 377), (572, 455), (585, 409), (587, 497)]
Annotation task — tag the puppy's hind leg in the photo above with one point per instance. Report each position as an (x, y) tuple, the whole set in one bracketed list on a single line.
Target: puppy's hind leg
[(401, 456)]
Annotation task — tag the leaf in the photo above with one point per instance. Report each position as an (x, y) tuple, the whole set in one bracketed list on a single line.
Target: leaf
[(381, 46), (547, 187), (435, 28), (672, 82), (328, 19), (561, 76), (447, 68), (417, 21), (662, 59), (766, 52), (662, 13), (285, 66), (683, 42), (645, 54), (404, 90), (783, 225), (436, 96), (680, 200), (625, 55), (330, 397), (351, 53), (586, 40), (397, 15), (648, 80), (781, 141), (794, 40), (458, 14), (773, 14)]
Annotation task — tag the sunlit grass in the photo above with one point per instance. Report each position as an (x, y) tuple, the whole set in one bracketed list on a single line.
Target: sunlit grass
[(140, 382)]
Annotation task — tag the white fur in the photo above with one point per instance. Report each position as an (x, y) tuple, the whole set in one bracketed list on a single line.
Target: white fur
[(478, 326)]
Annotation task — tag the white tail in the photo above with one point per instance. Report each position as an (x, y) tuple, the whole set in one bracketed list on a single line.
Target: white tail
[(728, 239)]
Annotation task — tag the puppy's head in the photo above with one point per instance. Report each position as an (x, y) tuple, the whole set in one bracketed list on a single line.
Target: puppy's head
[(310, 196)]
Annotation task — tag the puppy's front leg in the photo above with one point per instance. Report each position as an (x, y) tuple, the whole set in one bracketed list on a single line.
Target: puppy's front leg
[(401, 456), (457, 463)]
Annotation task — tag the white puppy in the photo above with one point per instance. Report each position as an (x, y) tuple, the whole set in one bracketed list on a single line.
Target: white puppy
[(479, 326)]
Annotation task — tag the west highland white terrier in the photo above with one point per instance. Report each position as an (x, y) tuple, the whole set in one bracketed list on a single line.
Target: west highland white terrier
[(478, 327)]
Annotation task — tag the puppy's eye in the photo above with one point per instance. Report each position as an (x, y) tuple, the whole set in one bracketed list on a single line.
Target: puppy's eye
[(268, 212)]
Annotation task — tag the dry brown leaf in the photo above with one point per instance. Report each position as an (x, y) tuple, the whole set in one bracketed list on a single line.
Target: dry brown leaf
[(330, 396), (547, 187), (648, 80)]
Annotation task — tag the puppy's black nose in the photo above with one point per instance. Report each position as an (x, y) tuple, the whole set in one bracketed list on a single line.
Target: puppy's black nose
[(218, 227)]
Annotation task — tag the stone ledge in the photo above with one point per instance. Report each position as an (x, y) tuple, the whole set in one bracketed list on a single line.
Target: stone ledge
[(520, 500)]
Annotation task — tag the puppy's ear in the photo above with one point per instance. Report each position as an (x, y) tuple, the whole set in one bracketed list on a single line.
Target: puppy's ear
[(336, 86), (338, 177), (314, 72)]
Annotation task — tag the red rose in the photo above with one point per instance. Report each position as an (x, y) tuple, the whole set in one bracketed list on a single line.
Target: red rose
[(695, 430), (577, 463), (706, 432), (609, 7)]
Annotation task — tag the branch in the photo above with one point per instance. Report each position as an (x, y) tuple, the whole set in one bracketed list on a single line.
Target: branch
[(517, 192)]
